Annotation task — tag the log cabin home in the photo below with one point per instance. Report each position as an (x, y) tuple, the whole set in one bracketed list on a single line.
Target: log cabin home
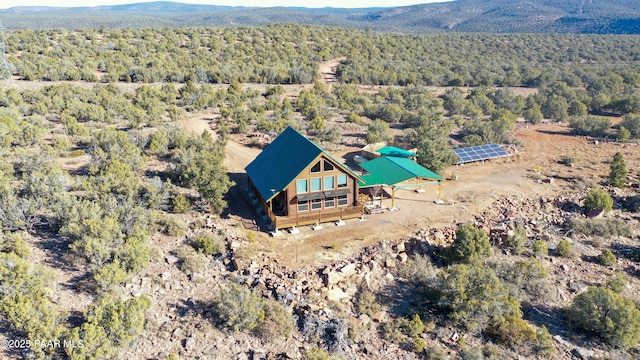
[(298, 183)]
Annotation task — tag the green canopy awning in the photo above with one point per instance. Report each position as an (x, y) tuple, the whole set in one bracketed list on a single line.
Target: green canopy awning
[(396, 152), (390, 171)]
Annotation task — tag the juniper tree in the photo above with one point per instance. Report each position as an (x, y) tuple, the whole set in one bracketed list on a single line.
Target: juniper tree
[(618, 172)]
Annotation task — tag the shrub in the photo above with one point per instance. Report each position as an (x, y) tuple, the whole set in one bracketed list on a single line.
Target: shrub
[(476, 296), (353, 117), (393, 331), (601, 227), (367, 303), (564, 248), (172, 226), (436, 353), (624, 135), (278, 322), (631, 123), (208, 243), (544, 343), (568, 160), (180, 204), (77, 153), (540, 248), (418, 270), (470, 244), (109, 276), (618, 282), (607, 258), (610, 316), (526, 279), (419, 345), (191, 260), (13, 242), (25, 304), (598, 199), (471, 353), (516, 241), (110, 323), (514, 331), (239, 308), (590, 126), (414, 327), (317, 353)]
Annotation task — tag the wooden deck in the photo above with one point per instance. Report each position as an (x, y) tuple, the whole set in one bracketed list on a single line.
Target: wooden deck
[(312, 217)]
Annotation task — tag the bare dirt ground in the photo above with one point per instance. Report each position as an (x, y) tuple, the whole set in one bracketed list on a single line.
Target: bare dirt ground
[(328, 69), (198, 123)]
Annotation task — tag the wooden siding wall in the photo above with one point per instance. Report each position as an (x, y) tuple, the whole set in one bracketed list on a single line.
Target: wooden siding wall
[(292, 191)]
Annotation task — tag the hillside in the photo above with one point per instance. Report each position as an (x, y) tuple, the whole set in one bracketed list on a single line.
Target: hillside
[(492, 16)]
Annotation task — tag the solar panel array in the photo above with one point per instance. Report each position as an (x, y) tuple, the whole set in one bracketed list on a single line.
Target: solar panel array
[(479, 153)]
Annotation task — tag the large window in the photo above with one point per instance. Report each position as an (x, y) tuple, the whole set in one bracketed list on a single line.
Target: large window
[(316, 204), (329, 202), (316, 168), (303, 186), (316, 184), (342, 181), (329, 182), (343, 200), (328, 166), (303, 205)]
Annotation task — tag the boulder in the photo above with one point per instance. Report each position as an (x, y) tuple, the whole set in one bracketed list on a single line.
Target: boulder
[(171, 259), (336, 294), (177, 334), (380, 316), (190, 343)]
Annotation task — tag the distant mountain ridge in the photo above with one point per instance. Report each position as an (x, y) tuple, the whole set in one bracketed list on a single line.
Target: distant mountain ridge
[(491, 16)]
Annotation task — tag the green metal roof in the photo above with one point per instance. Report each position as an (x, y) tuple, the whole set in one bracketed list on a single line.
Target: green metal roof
[(394, 170), (371, 180), (283, 160), (396, 152)]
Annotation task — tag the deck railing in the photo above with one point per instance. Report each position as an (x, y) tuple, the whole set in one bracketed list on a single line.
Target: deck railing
[(312, 217)]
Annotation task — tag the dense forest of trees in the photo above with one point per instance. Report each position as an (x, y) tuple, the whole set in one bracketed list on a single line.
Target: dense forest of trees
[(107, 209), (286, 53)]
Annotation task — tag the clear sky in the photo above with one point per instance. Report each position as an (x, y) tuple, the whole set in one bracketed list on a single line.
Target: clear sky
[(5, 4)]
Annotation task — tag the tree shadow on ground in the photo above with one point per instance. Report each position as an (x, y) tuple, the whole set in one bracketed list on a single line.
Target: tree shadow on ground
[(56, 246), (60, 256), (556, 322)]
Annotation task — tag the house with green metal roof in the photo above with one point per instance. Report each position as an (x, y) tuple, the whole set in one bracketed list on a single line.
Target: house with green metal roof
[(298, 183)]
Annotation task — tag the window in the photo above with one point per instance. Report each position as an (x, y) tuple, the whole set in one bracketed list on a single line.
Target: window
[(303, 186), (303, 205), (316, 168), (328, 166), (316, 184), (343, 200), (342, 181), (329, 202), (329, 182), (316, 204)]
